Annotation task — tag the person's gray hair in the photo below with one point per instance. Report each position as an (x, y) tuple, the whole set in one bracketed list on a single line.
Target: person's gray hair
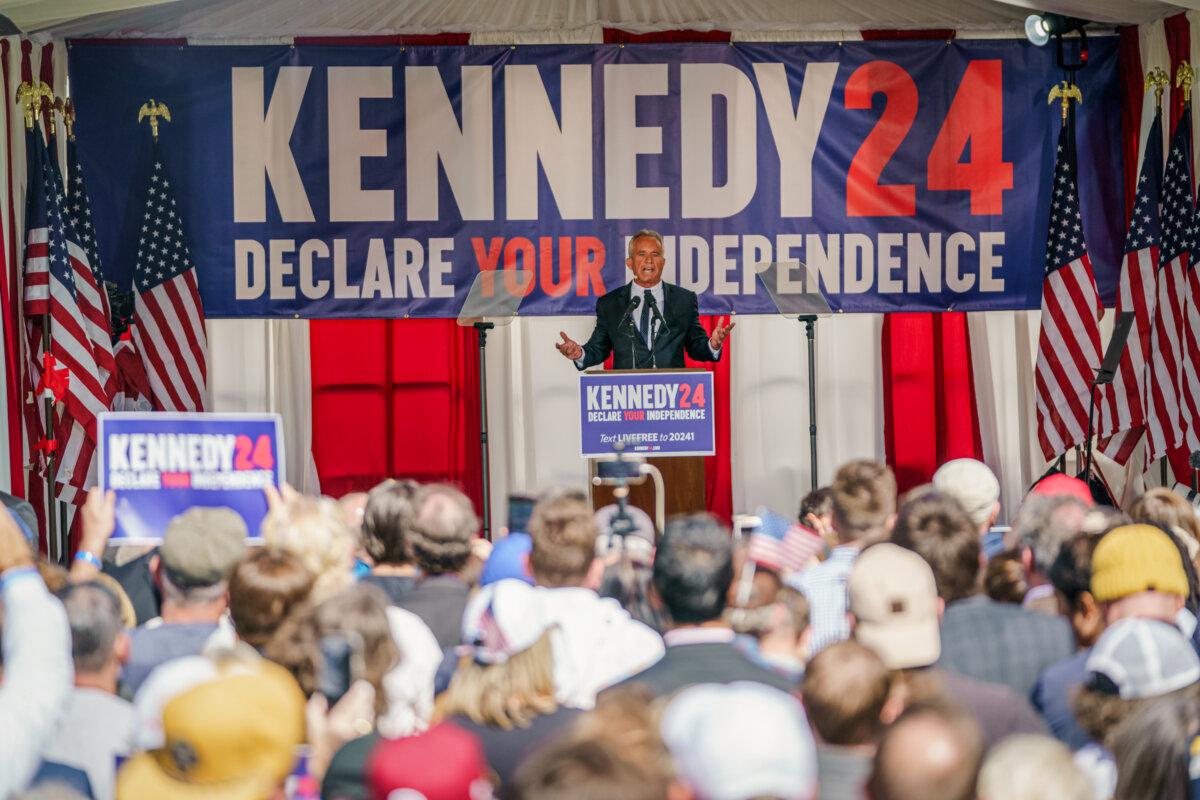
[(644, 233), (443, 527), (192, 595), (1045, 524), (94, 614)]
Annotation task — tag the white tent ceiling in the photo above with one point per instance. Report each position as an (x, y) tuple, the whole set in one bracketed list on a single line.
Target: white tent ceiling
[(240, 19)]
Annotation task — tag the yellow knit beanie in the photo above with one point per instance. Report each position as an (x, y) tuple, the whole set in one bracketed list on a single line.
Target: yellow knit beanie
[(1136, 558)]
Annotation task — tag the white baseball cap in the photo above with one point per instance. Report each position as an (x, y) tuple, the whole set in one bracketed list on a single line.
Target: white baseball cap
[(972, 483), (502, 619)]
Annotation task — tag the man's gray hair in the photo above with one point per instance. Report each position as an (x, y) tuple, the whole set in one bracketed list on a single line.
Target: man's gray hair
[(190, 595), (94, 614), (644, 233), (1044, 525)]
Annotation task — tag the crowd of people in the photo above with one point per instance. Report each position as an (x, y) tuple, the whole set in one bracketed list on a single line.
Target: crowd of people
[(376, 647)]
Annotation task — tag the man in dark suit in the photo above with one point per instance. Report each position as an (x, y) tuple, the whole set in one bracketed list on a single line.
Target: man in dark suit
[(693, 569), (656, 332)]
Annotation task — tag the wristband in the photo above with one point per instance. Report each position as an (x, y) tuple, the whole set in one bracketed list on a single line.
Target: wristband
[(84, 555)]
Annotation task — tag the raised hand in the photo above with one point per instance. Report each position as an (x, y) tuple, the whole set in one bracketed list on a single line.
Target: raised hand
[(569, 347), (719, 333)]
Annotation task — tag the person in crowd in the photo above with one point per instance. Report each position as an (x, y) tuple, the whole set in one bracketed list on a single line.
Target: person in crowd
[(353, 506), (596, 642), (199, 550), (931, 752), (1138, 570), (777, 635), (1155, 750), (614, 750), (693, 569), (314, 530), (503, 690), (845, 690), (1029, 767), (386, 534), (864, 507), (35, 685), (443, 762), (976, 488), (1071, 575), (740, 741), (98, 726), (264, 587), (895, 609), (1004, 578), (816, 512), (1042, 526), (980, 638), (1161, 506), (127, 572), (1059, 484), (233, 736), (1133, 663), (444, 523)]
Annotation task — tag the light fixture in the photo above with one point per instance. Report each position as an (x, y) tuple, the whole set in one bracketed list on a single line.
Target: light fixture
[(1041, 28)]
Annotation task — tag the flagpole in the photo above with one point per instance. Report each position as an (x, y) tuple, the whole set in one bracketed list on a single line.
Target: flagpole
[(50, 104)]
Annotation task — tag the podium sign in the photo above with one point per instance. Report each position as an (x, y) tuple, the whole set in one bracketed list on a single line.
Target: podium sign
[(654, 412), (161, 464)]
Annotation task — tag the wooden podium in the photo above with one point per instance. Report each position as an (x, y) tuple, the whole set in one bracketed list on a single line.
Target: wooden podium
[(683, 475)]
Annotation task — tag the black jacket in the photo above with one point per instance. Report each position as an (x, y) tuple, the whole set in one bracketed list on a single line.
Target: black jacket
[(683, 332), (686, 665)]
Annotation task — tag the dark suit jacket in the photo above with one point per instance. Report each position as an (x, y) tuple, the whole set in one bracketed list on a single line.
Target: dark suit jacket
[(439, 600), (686, 665), (683, 332)]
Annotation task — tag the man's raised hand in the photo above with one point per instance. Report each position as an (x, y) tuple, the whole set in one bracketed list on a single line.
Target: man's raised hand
[(719, 333), (569, 347)]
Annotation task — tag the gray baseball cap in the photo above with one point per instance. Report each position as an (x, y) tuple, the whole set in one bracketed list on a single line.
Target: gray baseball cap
[(202, 545)]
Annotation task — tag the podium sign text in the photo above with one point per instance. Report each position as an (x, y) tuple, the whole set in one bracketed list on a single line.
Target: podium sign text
[(654, 412)]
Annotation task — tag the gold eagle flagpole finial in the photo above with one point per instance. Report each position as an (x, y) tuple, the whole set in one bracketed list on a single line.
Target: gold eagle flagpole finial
[(154, 110), (1065, 92), (1158, 78), (1183, 78), (27, 98), (68, 112)]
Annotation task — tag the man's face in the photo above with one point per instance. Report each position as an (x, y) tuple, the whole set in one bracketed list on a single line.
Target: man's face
[(647, 261)]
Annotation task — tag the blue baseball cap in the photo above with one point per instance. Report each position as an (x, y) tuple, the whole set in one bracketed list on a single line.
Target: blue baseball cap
[(508, 560)]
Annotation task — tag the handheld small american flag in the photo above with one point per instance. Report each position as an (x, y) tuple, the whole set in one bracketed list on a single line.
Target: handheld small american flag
[(168, 318), (1126, 401), (1167, 417), (783, 545), (1069, 343)]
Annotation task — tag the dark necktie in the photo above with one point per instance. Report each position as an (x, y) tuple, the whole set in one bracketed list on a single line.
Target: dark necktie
[(646, 319)]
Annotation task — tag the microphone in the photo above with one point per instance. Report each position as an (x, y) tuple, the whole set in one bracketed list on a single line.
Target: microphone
[(634, 302), (653, 304)]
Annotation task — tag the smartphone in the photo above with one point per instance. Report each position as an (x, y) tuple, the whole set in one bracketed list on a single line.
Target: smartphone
[(626, 469), (520, 509), (341, 665)]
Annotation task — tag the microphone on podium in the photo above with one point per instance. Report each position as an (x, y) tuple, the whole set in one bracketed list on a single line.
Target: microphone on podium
[(634, 302), (662, 323)]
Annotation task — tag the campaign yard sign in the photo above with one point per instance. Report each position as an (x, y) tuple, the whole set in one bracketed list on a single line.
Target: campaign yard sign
[(161, 464), (656, 413)]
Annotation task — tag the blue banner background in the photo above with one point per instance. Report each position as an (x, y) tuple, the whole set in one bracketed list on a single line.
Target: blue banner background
[(110, 82)]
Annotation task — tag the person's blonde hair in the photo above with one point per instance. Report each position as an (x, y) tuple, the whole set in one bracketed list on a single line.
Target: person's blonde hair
[(1031, 767), (1162, 506), (314, 530), (508, 695)]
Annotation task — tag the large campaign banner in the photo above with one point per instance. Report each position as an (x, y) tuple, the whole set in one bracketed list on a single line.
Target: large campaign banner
[(343, 181), (161, 464)]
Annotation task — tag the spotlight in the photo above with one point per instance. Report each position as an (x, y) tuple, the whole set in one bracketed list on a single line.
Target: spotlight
[(1041, 28)]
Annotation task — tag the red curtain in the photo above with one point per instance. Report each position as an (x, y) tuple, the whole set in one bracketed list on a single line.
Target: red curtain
[(395, 398), (718, 468), (1129, 60)]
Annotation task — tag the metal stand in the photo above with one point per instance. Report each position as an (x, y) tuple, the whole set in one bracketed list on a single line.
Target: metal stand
[(54, 547), (483, 328), (810, 331)]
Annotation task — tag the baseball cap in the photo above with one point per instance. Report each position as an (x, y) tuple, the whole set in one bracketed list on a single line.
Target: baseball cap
[(443, 763), (508, 559), (972, 483), (202, 545), (23, 514), (1137, 558), (228, 738), (894, 599), (741, 740), (503, 619), (1063, 484), (1137, 658)]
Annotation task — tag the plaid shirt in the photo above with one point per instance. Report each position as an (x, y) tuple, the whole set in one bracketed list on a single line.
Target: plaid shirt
[(824, 585), (1002, 642)]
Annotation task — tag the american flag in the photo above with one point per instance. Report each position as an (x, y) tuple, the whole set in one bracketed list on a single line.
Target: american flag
[(781, 544), (168, 318), (1124, 406), (1069, 343), (59, 283), (1167, 415)]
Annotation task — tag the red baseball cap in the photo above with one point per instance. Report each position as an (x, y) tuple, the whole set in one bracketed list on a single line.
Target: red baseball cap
[(444, 763), (1060, 484)]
